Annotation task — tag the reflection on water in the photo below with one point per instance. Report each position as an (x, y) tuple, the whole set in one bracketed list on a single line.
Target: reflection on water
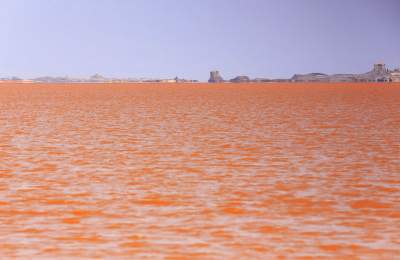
[(199, 171)]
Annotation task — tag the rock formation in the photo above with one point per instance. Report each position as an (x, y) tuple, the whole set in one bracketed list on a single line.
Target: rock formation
[(240, 79), (97, 78), (395, 75), (311, 77), (343, 78), (378, 74), (215, 77), (259, 80)]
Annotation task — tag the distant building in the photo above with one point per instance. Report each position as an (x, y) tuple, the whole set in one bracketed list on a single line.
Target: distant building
[(215, 77)]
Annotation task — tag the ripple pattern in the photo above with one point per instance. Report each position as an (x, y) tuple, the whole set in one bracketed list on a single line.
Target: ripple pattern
[(199, 171)]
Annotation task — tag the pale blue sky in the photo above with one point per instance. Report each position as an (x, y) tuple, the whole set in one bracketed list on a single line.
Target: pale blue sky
[(187, 38)]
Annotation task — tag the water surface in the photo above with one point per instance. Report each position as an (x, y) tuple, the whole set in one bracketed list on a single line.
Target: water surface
[(121, 171)]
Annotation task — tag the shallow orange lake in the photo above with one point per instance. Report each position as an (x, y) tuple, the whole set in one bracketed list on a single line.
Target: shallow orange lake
[(199, 171)]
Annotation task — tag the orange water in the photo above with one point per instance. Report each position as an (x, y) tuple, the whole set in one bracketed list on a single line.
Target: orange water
[(200, 171)]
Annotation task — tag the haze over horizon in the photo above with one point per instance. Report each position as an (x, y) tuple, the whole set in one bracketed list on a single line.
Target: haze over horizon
[(189, 38)]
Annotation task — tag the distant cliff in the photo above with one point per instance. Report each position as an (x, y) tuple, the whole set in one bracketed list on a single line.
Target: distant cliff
[(320, 77), (379, 73), (240, 79)]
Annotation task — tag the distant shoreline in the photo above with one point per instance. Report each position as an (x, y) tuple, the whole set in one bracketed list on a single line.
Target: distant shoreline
[(198, 83), (379, 73)]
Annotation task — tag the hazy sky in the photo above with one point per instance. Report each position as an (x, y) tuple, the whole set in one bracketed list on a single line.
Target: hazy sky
[(165, 38)]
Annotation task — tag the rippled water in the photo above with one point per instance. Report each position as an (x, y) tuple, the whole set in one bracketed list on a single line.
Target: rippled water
[(199, 171)]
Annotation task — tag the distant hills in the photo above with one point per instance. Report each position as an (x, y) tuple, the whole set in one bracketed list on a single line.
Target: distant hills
[(96, 78), (379, 73)]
